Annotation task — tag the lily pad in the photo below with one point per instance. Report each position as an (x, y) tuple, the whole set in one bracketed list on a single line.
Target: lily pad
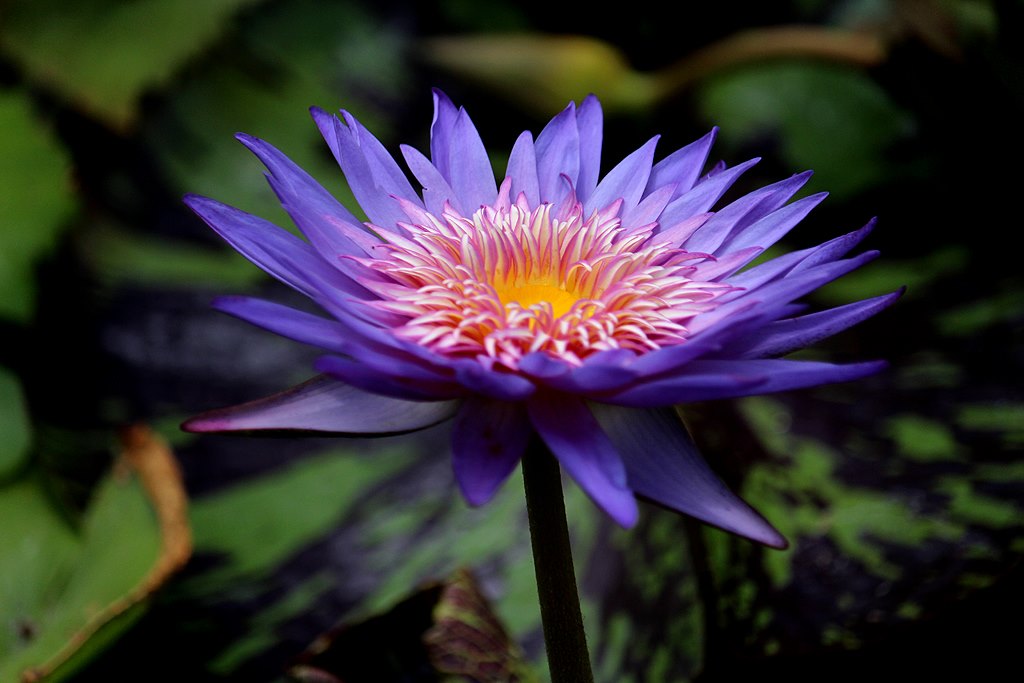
[(67, 590)]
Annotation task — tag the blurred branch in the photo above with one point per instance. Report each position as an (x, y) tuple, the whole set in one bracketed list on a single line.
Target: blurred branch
[(542, 72), (755, 45)]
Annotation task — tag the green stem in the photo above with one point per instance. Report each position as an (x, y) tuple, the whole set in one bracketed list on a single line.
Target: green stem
[(568, 658)]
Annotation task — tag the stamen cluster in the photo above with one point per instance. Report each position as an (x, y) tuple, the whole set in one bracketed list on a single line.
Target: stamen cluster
[(511, 280)]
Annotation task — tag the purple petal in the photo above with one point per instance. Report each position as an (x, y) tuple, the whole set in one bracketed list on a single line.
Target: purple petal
[(626, 181), (488, 439), (773, 296), (834, 248), (682, 168), (806, 258), (543, 366), (704, 195), (396, 381), (745, 211), (273, 249), (783, 336), (590, 123), (287, 322), (714, 337), (663, 464), (558, 154), (695, 385), (649, 210), (373, 176), (768, 230), (436, 190), (331, 227), (499, 385), (573, 434), (522, 169), (470, 172), (445, 115), (325, 405), (715, 379), (605, 370)]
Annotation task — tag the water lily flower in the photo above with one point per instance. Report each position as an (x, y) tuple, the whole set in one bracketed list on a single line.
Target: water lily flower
[(551, 302)]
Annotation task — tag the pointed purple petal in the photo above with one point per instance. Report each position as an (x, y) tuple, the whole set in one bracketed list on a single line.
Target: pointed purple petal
[(716, 379), (663, 464), (325, 405), (834, 248), (590, 123), (287, 322), (445, 115), (273, 249), (702, 197), (768, 230), (695, 385), (331, 227), (395, 384), (522, 169), (801, 260), (744, 212), (572, 433), (470, 172), (649, 209), (558, 154), (373, 176), (785, 375), (488, 439), (626, 181), (682, 168), (783, 336), (436, 190)]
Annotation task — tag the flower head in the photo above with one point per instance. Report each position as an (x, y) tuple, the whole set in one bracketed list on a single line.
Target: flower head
[(556, 303)]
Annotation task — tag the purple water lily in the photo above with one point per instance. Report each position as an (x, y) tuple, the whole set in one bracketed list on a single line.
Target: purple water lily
[(555, 303)]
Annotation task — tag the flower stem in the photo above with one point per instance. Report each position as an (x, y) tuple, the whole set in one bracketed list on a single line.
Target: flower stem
[(568, 658)]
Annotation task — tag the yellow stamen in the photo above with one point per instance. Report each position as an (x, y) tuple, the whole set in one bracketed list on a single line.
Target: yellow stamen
[(529, 294)]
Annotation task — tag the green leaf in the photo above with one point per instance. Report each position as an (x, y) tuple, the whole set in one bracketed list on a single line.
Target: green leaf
[(305, 52), (830, 118), (103, 54), (66, 592), (15, 430), (121, 257), (37, 201)]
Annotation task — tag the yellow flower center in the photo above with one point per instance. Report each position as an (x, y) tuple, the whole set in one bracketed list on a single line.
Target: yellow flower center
[(536, 293)]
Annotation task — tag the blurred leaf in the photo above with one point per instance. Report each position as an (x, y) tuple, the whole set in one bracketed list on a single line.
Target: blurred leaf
[(467, 638), (829, 118), (15, 430), (918, 275), (103, 54), (121, 257), (445, 628), (36, 201), (64, 592), (544, 72), (304, 53)]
